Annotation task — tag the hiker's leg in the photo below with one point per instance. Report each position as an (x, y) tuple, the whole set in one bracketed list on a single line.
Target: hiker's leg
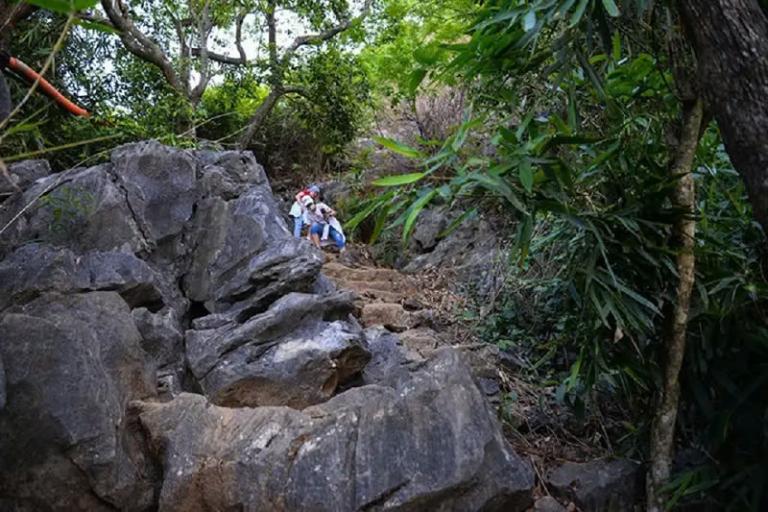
[(314, 232), (298, 223), (338, 238)]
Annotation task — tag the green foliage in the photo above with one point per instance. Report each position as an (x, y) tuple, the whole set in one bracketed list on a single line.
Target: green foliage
[(399, 148), (64, 6), (67, 207), (577, 107), (410, 41), (336, 94)]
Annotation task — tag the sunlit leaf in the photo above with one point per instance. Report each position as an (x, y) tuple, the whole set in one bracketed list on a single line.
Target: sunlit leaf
[(526, 175), (611, 8), (398, 179), (414, 211), (399, 148)]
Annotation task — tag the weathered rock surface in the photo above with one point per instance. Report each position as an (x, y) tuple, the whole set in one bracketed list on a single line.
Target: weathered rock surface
[(23, 174), (548, 504), (296, 353), (72, 364), (168, 271), (160, 186), (2, 385), (428, 443), (37, 268), (390, 361), (598, 485), (471, 250), (161, 335), (86, 211), (244, 254)]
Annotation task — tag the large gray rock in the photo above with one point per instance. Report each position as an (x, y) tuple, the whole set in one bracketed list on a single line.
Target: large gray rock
[(160, 186), (390, 361), (296, 353), (2, 385), (101, 271), (161, 335), (244, 255), (429, 443), (37, 268), (471, 251), (83, 209), (72, 364), (23, 174), (227, 174), (599, 485), (426, 234), (239, 255)]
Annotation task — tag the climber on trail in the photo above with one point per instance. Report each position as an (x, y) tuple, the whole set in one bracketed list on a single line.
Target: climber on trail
[(28, 75), (299, 208), (323, 223)]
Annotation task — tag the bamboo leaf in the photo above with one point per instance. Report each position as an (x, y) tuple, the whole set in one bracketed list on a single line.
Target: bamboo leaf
[(399, 148), (577, 15), (371, 207), (415, 209), (457, 222), (381, 218), (611, 8), (499, 186), (526, 175), (399, 179)]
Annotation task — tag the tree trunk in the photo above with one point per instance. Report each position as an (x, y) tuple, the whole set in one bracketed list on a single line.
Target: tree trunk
[(275, 80), (258, 118), (684, 233), (730, 38)]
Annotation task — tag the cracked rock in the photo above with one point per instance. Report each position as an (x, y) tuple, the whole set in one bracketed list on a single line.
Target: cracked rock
[(430, 443)]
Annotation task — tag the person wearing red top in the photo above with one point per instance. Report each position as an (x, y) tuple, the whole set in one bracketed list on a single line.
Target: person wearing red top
[(299, 210)]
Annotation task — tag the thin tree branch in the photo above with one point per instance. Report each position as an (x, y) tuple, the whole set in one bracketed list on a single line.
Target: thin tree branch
[(295, 89), (328, 34), (242, 59), (139, 43)]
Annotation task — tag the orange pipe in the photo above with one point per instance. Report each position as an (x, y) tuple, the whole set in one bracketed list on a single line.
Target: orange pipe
[(45, 86)]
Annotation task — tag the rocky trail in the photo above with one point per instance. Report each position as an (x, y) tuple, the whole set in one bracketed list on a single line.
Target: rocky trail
[(166, 344), (422, 311), (419, 309)]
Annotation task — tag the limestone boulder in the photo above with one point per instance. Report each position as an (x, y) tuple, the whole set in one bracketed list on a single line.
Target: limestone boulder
[(23, 174), (34, 269), (81, 209), (162, 336), (429, 443), (470, 252), (244, 255), (72, 364), (599, 485), (160, 185), (296, 353)]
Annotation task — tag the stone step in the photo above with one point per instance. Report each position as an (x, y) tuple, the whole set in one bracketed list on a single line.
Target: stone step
[(337, 270), (381, 286)]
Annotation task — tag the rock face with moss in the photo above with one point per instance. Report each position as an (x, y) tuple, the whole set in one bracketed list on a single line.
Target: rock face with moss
[(166, 344)]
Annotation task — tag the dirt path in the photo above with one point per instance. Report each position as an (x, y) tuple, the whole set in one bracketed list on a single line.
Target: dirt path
[(419, 309)]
